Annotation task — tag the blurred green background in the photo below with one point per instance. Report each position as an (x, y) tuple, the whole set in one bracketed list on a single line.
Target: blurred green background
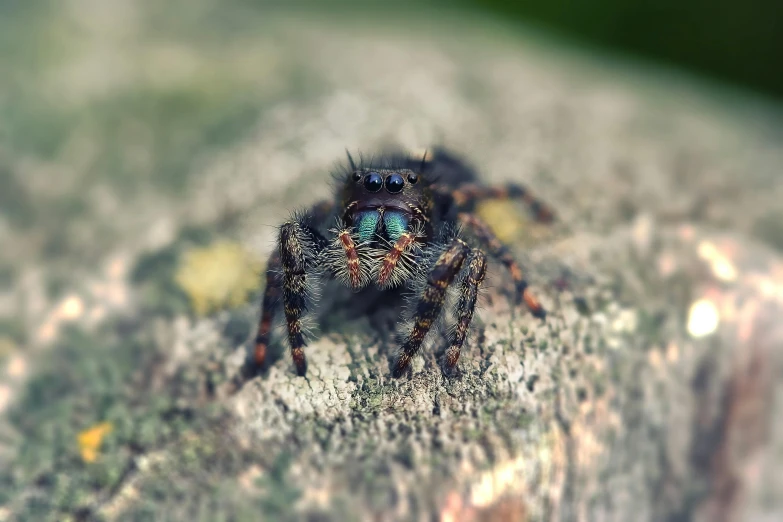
[(736, 42)]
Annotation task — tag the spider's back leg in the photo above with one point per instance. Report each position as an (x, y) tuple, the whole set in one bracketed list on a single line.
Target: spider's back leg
[(465, 198), (272, 292), (487, 239)]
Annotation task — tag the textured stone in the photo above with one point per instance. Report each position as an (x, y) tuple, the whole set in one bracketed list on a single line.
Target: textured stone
[(610, 410)]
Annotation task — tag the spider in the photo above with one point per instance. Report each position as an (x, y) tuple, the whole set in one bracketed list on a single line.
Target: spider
[(399, 223)]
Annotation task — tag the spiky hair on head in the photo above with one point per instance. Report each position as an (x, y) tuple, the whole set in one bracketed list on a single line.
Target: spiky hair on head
[(390, 158)]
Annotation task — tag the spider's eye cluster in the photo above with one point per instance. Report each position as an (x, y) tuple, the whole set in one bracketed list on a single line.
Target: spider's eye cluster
[(393, 182)]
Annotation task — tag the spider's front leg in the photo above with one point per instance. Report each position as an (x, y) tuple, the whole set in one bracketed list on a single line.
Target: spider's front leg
[(299, 246), (471, 283), (275, 280), (433, 298)]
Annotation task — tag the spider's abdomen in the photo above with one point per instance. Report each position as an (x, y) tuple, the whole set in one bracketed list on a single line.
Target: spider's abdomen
[(449, 170)]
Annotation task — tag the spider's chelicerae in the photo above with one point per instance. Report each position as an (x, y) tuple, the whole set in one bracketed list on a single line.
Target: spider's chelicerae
[(396, 223)]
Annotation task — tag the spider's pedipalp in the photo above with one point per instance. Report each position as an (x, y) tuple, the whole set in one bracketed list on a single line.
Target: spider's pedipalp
[(391, 265), (398, 262), (347, 259)]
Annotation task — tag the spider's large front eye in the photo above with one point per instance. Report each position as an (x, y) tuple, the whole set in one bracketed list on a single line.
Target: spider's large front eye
[(373, 182), (394, 183)]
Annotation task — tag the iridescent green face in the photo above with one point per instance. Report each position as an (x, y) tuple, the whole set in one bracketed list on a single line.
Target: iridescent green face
[(382, 200), (394, 224), (367, 224)]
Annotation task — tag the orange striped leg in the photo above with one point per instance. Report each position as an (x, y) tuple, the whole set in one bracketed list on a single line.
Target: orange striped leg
[(353, 269), (294, 260), (477, 269), (466, 196), (272, 294), (386, 276), (431, 301), (497, 249), (274, 289)]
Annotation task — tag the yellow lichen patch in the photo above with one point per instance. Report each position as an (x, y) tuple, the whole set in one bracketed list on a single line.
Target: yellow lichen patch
[(217, 276), (7, 347), (90, 440), (503, 217)]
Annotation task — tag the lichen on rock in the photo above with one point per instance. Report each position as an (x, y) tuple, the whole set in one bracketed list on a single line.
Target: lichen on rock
[(218, 276), (615, 407)]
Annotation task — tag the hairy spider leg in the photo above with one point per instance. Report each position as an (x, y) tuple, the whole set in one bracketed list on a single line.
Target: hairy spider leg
[(297, 255), (497, 249), (272, 292), (466, 196), (431, 302), (274, 289), (471, 283)]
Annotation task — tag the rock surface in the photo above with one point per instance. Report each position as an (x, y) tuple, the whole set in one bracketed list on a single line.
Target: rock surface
[(650, 393)]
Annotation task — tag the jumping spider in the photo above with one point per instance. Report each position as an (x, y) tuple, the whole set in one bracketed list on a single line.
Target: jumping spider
[(398, 224)]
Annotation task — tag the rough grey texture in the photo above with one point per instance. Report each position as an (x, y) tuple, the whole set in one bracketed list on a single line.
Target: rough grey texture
[(611, 410), (613, 413)]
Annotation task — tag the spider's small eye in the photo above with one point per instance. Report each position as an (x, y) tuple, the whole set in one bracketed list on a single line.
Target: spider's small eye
[(356, 176), (394, 183), (413, 178), (373, 182)]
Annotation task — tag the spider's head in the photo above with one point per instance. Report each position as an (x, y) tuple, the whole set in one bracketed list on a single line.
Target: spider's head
[(386, 196)]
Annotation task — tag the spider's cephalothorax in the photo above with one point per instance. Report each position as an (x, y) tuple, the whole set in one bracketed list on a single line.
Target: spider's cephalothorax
[(399, 221)]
